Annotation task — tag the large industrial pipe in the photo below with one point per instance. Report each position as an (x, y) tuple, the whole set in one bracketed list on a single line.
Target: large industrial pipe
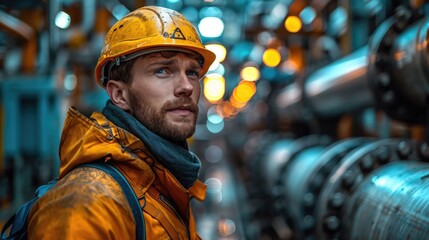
[(345, 181), (357, 188), (392, 203), (304, 179), (337, 88), (341, 86), (411, 61), (399, 67), (391, 72)]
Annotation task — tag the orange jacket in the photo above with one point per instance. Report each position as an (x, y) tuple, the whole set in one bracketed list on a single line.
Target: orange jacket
[(87, 203)]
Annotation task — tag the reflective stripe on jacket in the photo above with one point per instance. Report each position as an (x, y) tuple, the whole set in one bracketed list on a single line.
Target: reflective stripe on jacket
[(87, 203)]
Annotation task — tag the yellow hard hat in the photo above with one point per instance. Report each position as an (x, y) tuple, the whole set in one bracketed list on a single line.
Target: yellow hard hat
[(149, 29)]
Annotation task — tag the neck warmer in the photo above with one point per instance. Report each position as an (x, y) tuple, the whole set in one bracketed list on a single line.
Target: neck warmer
[(181, 162)]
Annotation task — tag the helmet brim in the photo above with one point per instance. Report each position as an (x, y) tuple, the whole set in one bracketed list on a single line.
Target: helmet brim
[(104, 67)]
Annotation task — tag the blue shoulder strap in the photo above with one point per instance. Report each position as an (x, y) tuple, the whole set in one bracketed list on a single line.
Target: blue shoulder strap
[(18, 222), (129, 193)]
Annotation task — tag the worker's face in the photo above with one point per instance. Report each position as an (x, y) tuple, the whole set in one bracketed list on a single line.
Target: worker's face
[(164, 94)]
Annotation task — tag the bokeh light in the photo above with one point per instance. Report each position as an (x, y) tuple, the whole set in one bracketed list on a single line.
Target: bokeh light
[(214, 87), (271, 57), (250, 73), (219, 50), (293, 24), (211, 27), (244, 91), (62, 20)]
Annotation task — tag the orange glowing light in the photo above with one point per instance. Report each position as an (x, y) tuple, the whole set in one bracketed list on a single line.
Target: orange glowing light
[(244, 91)]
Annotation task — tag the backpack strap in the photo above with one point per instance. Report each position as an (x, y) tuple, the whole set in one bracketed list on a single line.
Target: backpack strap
[(129, 193), (18, 221)]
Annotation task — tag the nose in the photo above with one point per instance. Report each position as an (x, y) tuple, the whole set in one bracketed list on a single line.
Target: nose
[(184, 86)]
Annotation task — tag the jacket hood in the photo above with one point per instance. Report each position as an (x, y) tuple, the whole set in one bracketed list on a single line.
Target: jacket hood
[(86, 140)]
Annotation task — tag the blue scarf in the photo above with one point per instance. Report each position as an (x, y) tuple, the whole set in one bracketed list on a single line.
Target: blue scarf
[(181, 162)]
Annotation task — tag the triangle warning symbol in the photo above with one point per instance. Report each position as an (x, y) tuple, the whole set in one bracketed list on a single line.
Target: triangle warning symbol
[(177, 34)]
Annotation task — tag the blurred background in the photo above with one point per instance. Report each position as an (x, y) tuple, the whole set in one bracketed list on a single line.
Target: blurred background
[(313, 119)]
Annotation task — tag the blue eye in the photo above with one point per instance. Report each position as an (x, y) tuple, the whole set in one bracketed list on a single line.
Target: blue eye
[(162, 72)]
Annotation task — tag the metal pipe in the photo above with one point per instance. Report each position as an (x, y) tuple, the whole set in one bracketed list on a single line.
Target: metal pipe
[(391, 203), (342, 193), (410, 63), (304, 180), (340, 87), (398, 69), (26, 32), (391, 72), (335, 89), (16, 26)]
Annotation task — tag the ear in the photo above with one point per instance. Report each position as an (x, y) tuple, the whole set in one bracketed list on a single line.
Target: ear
[(118, 93)]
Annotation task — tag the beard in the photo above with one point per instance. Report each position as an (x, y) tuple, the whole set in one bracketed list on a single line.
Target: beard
[(156, 120)]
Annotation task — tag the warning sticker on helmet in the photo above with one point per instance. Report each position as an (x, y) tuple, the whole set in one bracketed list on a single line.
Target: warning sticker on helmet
[(177, 34)]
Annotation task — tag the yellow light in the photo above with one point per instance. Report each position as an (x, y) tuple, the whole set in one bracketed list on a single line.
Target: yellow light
[(244, 91), (214, 87), (293, 24), (271, 57), (250, 73), (219, 50)]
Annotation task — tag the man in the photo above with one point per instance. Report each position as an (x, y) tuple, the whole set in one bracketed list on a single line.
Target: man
[(150, 66)]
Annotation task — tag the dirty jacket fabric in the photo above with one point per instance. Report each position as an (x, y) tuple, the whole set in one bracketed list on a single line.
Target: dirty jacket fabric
[(88, 203)]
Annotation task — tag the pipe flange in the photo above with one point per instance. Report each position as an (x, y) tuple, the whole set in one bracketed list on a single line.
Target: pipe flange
[(388, 93), (313, 184), (354, 167), (293, 150)]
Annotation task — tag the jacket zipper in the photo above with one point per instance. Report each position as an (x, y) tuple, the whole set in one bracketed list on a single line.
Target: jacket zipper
[(170, 206)]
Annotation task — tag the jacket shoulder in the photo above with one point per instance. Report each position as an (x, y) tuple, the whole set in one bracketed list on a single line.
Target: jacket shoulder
[(87, 202)]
